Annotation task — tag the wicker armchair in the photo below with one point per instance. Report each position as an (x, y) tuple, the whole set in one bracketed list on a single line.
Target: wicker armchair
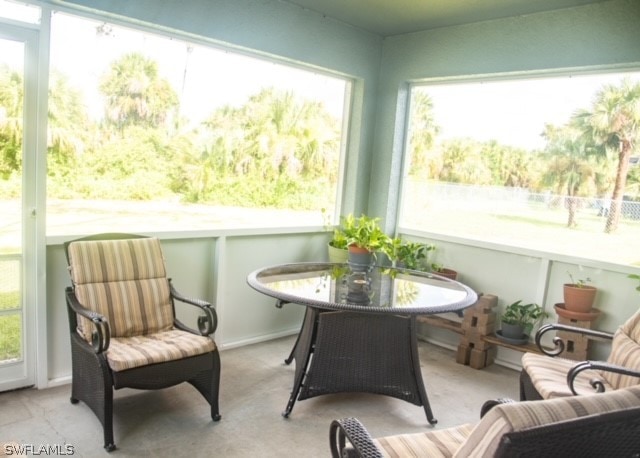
[(581, 426), (549, 375), (123, 328)]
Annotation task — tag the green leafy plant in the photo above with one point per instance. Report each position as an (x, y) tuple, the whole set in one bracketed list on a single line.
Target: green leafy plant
[(364, 232), (410, 255), (636, 277), (524, 315)]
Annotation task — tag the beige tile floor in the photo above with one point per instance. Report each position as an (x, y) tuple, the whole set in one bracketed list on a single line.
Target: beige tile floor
[(254, 390)]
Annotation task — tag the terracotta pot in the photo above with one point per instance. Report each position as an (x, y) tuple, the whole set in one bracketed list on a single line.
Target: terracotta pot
[(447, 273), (360, 259), (579, 298)]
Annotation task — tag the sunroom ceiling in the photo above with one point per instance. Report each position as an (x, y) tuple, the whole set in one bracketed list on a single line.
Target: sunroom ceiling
[(394, 17)]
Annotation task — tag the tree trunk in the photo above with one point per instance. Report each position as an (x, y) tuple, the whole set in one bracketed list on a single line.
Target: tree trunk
[(618, 189), (572, 204)]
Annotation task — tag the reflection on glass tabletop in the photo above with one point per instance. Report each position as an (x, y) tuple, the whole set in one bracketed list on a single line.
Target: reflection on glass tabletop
[(375, 289)]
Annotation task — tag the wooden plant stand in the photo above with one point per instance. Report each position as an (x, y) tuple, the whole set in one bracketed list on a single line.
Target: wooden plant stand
[(478, 343), (477, 323)]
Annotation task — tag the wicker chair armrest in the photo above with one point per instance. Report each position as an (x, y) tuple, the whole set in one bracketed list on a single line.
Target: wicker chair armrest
[(101, 336), (490, 404), (596, 383), (558, 343), (207, 322), (353, 430)]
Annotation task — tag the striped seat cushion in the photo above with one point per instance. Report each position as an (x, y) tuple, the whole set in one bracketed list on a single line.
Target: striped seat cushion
[(434, 444), (485, 437), (549, 376), (130, 352), (625, 351), (124, 280)]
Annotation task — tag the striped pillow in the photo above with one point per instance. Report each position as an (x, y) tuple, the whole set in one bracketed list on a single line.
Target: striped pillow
[(631, 327), (506, 418), (124, 280), (624, 352)]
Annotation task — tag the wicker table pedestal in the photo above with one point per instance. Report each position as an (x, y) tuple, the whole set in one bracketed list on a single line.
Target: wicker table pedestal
[(369, 346)]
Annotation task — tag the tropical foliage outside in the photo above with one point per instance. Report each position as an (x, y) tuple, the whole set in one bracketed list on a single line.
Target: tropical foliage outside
[(275, 150), (583, 182)]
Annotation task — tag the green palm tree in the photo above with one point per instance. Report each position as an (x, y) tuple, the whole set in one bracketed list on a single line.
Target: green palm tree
[(11, 99), (571, 167), (136, 94), (423, 131), (613, 123)]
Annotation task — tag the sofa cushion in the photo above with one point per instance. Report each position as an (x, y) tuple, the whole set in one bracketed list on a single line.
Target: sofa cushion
[(502, 419), (434, 444), (624, 352), (129, 352), (549, 376), (124, 280)]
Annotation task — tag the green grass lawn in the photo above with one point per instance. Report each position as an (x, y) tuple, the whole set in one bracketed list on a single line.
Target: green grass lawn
[(10, 326)]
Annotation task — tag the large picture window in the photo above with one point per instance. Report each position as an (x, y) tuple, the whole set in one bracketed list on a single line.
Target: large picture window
[(155, 133), (548, 163)]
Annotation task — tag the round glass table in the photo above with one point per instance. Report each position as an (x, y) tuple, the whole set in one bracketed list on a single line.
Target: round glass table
[(359, 329)]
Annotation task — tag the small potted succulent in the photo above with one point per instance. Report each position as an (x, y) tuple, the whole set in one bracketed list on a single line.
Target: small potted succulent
[(578, 295), (518, 320)]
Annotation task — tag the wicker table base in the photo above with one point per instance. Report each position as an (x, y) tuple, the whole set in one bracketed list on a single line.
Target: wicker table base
[(339, 352)]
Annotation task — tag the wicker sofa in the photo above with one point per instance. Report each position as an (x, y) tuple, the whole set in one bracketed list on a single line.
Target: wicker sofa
[(550, 376), (123, 327), (594, 425)]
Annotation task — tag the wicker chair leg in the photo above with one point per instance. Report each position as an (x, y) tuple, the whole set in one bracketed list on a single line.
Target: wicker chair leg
[(527, 390), (208, 384), (91, 383)]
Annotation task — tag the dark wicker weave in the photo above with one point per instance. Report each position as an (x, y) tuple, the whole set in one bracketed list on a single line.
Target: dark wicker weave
[(368, 347), (612, 434), (355, 352), (528, 391), (382, 360), (93, 381)]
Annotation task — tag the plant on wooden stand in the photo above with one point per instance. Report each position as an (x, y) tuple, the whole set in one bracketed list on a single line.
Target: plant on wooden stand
[(578, 295), (518, 319)]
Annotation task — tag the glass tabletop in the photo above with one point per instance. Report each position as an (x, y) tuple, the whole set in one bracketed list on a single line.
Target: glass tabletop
[(376, 289)]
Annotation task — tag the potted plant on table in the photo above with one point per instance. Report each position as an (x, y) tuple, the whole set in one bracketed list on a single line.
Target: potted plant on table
[(518, 320), (578, 295), (407, 254), (364, 237)]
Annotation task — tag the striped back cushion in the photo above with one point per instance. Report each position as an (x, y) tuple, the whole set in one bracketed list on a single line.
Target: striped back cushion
[(124, 280), (506, 418), (624, 352)]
